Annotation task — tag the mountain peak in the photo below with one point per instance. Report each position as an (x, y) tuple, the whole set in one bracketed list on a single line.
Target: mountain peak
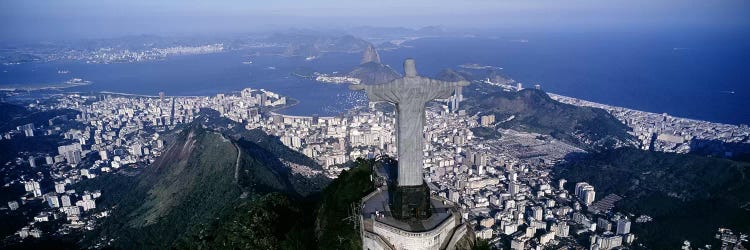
[(370, 55)]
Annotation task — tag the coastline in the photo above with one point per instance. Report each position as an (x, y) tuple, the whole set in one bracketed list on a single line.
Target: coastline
[(42, 86), (293, 102), (147, 96), (611, 108)]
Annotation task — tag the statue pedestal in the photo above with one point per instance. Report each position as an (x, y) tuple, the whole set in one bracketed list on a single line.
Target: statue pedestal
[(443, 229), (410, 202)]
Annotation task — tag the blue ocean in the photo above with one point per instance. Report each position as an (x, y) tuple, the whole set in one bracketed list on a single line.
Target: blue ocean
[(702, 76)]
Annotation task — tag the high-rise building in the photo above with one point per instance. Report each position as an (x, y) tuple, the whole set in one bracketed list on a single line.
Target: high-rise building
[(562, 229), (513, 188), (73, 157), (33, 186), (53, 201), (487, 120), (623, 226), (65, 201), (60, 187), (536, 213), (603, 224), (28, 129), (13, 205), (588, 196), (585, 193), (518, 243), (455, 100), (72, 153)]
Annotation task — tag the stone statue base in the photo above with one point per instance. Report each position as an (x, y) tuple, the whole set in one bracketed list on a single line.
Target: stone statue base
[(410, 202), (443, 230)]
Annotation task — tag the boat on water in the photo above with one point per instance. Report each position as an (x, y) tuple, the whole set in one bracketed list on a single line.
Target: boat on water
[(78, 81)]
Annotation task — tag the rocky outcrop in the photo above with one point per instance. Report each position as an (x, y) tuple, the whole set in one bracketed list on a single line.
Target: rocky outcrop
[(374, 73), (370, 55), (371, 71)]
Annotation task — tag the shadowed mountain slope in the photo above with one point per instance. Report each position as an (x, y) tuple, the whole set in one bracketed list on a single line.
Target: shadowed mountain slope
[(533, 111), (688, 196)]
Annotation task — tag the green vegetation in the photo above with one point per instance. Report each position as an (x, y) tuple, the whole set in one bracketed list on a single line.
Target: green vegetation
[(486, 133), (533, 111), (333, 229), (193, 192), (482, 245), (189, 198), (186, 188), (8, 112), (271, 221), (274, 221), (688, 196), (451, 75), (13, 115)]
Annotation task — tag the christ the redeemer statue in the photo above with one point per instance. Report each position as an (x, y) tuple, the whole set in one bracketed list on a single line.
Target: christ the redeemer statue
[(410, 94)]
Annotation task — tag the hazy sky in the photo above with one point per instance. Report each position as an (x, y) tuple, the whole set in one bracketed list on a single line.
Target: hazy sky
[(63, 19)]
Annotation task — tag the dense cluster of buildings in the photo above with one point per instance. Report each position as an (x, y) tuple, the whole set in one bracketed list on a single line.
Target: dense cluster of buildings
[(115, 55), (505, 189), (503, 185), (335, 79)]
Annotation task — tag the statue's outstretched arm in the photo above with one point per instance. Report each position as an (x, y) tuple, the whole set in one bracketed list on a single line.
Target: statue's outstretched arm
[(377, 93), (443, 90)]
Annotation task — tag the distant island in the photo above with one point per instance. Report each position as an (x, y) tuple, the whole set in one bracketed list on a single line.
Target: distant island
[(477, 66), (74, 82)]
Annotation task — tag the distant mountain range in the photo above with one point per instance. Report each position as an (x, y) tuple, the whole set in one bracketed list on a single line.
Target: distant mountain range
[(492, 74), (313, 44)]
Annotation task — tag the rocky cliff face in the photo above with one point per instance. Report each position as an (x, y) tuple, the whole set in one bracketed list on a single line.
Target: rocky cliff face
[(371, 71), (370, 55)]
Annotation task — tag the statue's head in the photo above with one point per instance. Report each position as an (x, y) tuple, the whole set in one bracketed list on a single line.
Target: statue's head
[(410, 77), (410, 69)]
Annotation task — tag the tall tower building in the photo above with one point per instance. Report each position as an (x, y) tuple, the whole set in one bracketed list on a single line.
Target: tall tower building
[(623, 226), (585, 193)]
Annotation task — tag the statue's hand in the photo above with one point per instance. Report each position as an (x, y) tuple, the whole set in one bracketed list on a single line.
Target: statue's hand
[(357, 86)]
